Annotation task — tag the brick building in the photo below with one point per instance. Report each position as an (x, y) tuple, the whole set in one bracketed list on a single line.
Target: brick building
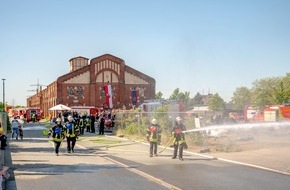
[(84, 85)]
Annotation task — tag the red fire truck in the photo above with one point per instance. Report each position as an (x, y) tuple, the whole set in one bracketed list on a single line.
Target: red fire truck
[(86, 110), (33, 114), (16, 112), (270, 113)]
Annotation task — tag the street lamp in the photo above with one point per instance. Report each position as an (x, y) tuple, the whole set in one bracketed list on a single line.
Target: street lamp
[(3, 109)]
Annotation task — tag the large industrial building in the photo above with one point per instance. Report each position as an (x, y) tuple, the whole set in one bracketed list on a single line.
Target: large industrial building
[(105, 81)]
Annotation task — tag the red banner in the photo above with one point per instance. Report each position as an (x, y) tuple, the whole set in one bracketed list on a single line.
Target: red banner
[(109, 97)]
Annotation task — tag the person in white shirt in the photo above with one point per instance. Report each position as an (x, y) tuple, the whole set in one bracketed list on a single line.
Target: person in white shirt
[(15, 124)]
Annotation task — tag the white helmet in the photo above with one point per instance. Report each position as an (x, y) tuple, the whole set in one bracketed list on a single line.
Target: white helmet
[(70, 118), (58, 120), (154, 121), (178, 119)]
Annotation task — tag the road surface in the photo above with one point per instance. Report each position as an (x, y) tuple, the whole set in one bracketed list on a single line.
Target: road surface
[(127, 165)]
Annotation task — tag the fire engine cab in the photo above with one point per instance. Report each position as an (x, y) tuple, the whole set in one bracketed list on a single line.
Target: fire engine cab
[(33, 114)]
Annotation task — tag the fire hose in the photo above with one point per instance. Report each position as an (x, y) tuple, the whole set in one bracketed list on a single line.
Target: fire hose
[(167, 144)]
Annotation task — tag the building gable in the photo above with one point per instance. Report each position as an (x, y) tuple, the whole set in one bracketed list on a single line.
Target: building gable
[(83, 78), (107, 68), (133, 79), (133, 76)]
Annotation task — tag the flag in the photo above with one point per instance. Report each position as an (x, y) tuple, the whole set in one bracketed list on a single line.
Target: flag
[(109, 98), (134, 97)]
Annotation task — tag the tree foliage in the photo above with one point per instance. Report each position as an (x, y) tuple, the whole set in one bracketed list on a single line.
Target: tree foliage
[(216, 103), (241, 98), (180, 96), (175, 94), (158, 95), (266, 91), (1, 106), (197, 100), (269, 91)]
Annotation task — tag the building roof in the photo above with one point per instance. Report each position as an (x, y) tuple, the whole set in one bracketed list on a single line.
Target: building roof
[(79, 57)]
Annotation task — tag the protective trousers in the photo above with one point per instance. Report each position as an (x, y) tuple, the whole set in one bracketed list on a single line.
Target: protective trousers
[(153, 147), (57, 145), (102, 130), (176, 146), (71, 141), (82, 130)]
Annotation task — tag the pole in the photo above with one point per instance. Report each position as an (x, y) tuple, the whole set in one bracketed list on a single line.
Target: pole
[(3, 108), (138, 125)]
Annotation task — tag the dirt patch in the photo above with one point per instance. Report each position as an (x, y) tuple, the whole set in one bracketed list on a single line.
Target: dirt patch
[(266, 147)]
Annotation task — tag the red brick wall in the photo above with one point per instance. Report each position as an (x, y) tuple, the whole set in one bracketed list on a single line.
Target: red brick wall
[(91, 92)]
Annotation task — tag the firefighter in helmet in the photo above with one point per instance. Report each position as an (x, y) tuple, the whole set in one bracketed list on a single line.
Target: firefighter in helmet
[(153, 136), (179, 138), (57, 132), (72, 132), (82, 125), (88, 124)]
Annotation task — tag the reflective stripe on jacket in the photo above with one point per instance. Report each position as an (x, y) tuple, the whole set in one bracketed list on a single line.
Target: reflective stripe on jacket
[(153, 133)]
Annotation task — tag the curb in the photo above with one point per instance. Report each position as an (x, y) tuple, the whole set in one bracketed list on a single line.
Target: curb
[(9, 184), (2, 164)]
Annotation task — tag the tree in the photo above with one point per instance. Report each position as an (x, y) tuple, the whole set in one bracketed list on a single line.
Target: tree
[(216, 103), (283, 94), (184, 97), (197, 100), (174, 95), (180, 96), (159, 95), (241, 98), (267, 91)]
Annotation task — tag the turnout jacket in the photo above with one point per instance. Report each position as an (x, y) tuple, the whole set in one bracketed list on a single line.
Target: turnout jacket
[(153, 133), (71, 129), (179, 137), (57, 132)]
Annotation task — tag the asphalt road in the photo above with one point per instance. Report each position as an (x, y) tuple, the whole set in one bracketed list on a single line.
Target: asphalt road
[(127, 166)]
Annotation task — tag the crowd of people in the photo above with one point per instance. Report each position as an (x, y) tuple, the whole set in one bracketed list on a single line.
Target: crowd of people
[(70, 125)]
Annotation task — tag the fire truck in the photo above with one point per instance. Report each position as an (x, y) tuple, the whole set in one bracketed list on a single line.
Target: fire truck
[(16, 112), (86, 110), (28, 116), (270, 113)]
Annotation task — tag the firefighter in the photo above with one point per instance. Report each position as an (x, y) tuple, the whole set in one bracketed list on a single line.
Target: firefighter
[(20, 131), (93, 119), (33, 117), (153, 136), (57, 132), (88, 124), (82, 125), (179, 138), (71, 131), (102, 121), (3, 140), (76, 117)]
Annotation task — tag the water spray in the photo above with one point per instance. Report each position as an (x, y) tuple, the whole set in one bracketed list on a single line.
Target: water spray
[(240, 126)]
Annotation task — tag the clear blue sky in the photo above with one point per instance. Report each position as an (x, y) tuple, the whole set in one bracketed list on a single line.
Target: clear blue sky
[(197, 46)]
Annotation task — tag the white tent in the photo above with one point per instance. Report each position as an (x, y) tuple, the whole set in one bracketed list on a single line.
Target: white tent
[(59, 107)]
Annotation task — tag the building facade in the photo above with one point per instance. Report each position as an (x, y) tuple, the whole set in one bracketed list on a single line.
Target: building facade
[(85, 85)]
